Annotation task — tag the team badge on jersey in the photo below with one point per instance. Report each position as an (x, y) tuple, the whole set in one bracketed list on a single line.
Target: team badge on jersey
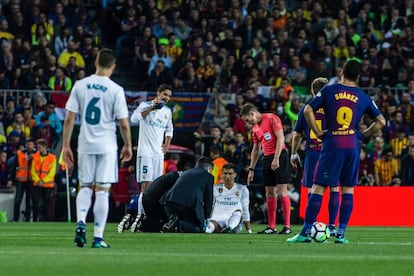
[(237, 193), (220, 190), (267, 136)]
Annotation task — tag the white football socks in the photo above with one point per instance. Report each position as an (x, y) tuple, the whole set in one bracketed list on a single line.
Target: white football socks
[(140, 205), (83, 203), (100, 212)]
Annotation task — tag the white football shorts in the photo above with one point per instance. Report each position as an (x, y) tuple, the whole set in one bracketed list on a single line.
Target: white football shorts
[(149, 168), (98, 168)]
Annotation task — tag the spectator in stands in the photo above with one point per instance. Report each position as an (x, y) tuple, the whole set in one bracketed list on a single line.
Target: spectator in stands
[(367, 76), (253, 97), (376, 146), (8, 116), (46, 24), (399, 142), (5, 180), (230, 154), (39, 35), (18, 125), (205, 142), (366, 169), (53, 119), (174, 47), (145, 48), (407, 168), (296, 68), (4, 30), (70, 51), (39, 103), (71, 70), (57, 11), (192, 83), (407, 109), (18, 26), (28, 117), (128, 24), (182, 30), (161, 28), (7, 56), (62, 40), (161, 54), (44, 131), (60, 82), (43, 171), (14, 142), (386, 169), (159, 75), (4, 80), (36, 78)]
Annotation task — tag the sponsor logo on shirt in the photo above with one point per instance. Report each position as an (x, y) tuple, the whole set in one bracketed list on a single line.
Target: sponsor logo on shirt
[(267, 136)]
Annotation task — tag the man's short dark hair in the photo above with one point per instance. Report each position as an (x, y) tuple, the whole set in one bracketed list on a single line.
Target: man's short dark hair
[(229, 166), (352, 69), (106, 58), (205, 163), (247, 108), (165, 86)]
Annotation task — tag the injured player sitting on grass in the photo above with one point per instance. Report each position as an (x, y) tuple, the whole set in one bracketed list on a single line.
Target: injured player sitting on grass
[(231, 205)]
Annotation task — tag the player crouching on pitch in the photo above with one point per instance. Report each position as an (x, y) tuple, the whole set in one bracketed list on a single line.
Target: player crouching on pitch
[(231, 205)]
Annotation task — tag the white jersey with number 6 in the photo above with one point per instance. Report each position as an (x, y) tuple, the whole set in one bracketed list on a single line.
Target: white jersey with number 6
[(100, 102)]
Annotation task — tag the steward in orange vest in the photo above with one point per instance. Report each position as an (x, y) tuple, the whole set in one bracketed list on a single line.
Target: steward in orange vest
[(43, 172), (20, 171)]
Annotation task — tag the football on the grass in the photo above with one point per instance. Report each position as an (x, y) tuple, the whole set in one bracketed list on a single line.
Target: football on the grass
[(320, 232)]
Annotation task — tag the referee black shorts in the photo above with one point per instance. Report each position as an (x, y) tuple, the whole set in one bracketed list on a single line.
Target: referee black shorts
[(280, 175)]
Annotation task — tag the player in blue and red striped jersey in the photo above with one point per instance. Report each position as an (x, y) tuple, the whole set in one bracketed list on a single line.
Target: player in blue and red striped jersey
[(344, 105), (313, 148)]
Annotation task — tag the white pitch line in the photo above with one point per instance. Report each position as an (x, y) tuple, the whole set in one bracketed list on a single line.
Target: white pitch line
[(147, 256)]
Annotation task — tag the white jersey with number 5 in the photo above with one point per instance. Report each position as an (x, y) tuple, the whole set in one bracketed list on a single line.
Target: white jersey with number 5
[(100, 102), (152, 129), (227, 201)]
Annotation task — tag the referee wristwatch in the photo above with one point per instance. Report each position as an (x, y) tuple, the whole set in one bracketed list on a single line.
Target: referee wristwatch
[(251, 169)]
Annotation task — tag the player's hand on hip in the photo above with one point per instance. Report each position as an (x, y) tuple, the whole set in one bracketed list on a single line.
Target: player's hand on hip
[(321, 134)]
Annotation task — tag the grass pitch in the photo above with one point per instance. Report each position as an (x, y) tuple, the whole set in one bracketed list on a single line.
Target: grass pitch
[(48, 249)]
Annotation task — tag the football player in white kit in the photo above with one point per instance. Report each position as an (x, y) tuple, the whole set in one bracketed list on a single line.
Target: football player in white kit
[(155, 135), (100, 102), (231, 205)]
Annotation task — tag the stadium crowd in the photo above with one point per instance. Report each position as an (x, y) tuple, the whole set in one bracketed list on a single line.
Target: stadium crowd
[(219, 47)]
